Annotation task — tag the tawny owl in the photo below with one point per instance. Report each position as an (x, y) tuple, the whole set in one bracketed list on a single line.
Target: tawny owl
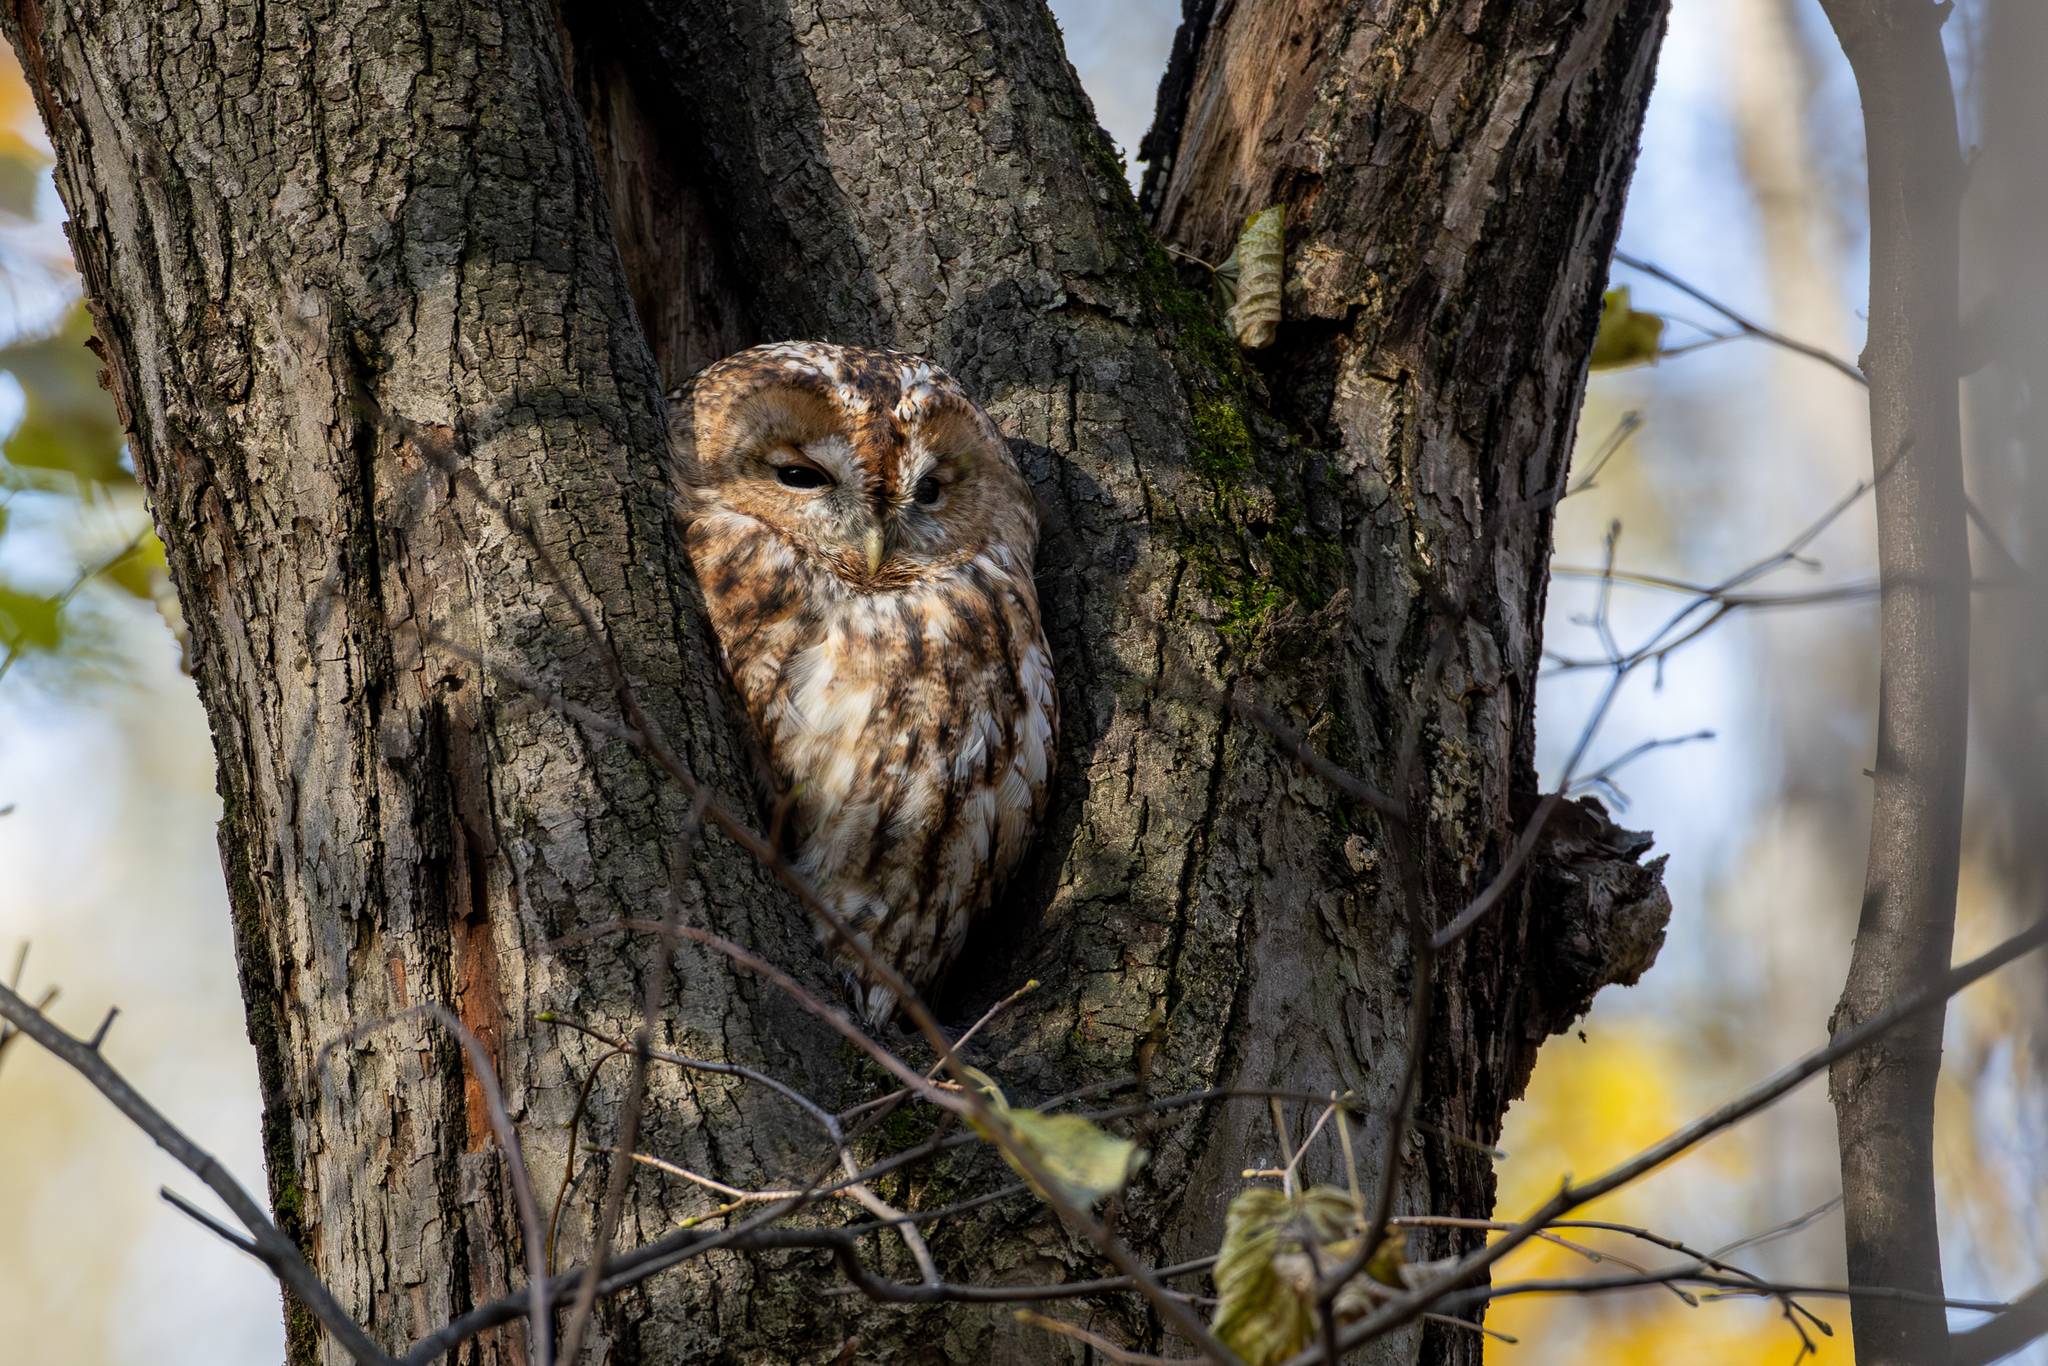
[(864, 541)]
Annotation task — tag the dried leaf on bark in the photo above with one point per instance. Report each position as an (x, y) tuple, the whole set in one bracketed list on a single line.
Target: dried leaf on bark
[(1251, 277)]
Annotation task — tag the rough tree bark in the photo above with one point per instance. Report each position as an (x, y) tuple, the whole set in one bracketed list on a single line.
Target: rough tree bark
[(391, 295)]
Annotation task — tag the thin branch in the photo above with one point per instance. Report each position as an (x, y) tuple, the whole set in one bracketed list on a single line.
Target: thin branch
[(1475, 1327), (1405, 1308), (508, 1140), (895, 1098), (754, 963), (1749, 328), (738, 1196), (569, 1167), (1711, 1260), (1462, 924), (826, 1120), (1777, 1231), (1604, 775), (211, 1224), (1631, 422), (1847, 592), (71, 590), (1295, 747), (277, 1251), (8, 1033), (927, 1216), (1103, 1345), (906, 1229), (2004, 1335), (1695, 1274)]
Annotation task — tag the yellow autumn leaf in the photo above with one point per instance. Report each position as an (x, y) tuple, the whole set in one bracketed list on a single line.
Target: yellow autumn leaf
[(1085, 1161), (1626, 337)]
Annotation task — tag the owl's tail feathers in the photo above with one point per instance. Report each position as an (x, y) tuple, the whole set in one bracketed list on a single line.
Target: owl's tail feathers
[(875, 1004)]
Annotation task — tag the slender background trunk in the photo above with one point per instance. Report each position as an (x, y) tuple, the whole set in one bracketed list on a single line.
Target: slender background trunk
[(1884, 1096), (2005, 354), (391, 297)]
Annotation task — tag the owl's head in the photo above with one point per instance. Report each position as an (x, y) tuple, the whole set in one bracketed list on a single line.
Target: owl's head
[(872, 464)]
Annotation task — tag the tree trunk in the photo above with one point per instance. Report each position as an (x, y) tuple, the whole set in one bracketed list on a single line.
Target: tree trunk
[(391, 325), (1884, 1095)]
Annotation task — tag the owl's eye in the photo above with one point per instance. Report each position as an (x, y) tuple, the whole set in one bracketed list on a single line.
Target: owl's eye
[(927, 491), (802, 476)]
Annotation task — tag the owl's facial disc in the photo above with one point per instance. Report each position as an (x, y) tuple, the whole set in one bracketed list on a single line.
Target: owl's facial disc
[(882, 475)]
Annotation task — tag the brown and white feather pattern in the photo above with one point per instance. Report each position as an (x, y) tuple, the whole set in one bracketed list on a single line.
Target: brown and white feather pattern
[(864, 540)]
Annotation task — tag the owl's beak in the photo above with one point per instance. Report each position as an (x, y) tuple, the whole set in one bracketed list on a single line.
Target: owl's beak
[(871, 542)]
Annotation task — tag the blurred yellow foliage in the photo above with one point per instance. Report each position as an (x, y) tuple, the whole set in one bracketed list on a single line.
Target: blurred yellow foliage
[(1589, 1106)]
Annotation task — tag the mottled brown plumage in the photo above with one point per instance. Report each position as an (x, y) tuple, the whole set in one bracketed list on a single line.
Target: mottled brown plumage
[(864, 541)]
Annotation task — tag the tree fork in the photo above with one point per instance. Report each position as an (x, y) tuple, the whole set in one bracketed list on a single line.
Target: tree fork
[(338, 257)]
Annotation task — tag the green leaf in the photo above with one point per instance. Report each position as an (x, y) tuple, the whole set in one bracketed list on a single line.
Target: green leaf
[(141, 570), (21, 174), (1085, 1161), (1266, 1273), (70, 423), (1626, 337), (28, 622)]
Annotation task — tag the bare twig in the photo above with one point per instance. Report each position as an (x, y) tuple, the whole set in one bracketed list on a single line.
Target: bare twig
[(522, 1186), (1715, 600), (85, 576), (8, 1033), (1748, 328), (1603, 777), (754, 963), (1102, 1344), (1777, 1231), (619, 1050), (2004, 1335), (1298, 749), (1487, 899), (1631, 422), (277, 1251), (895, 1098), (208, 1222), (738, 1196), (1403, 1309), (1695, 1274), (826, 1120)]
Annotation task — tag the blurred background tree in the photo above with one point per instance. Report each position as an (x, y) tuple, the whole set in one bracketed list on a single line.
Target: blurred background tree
[(1750, 187), (108, 874)]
